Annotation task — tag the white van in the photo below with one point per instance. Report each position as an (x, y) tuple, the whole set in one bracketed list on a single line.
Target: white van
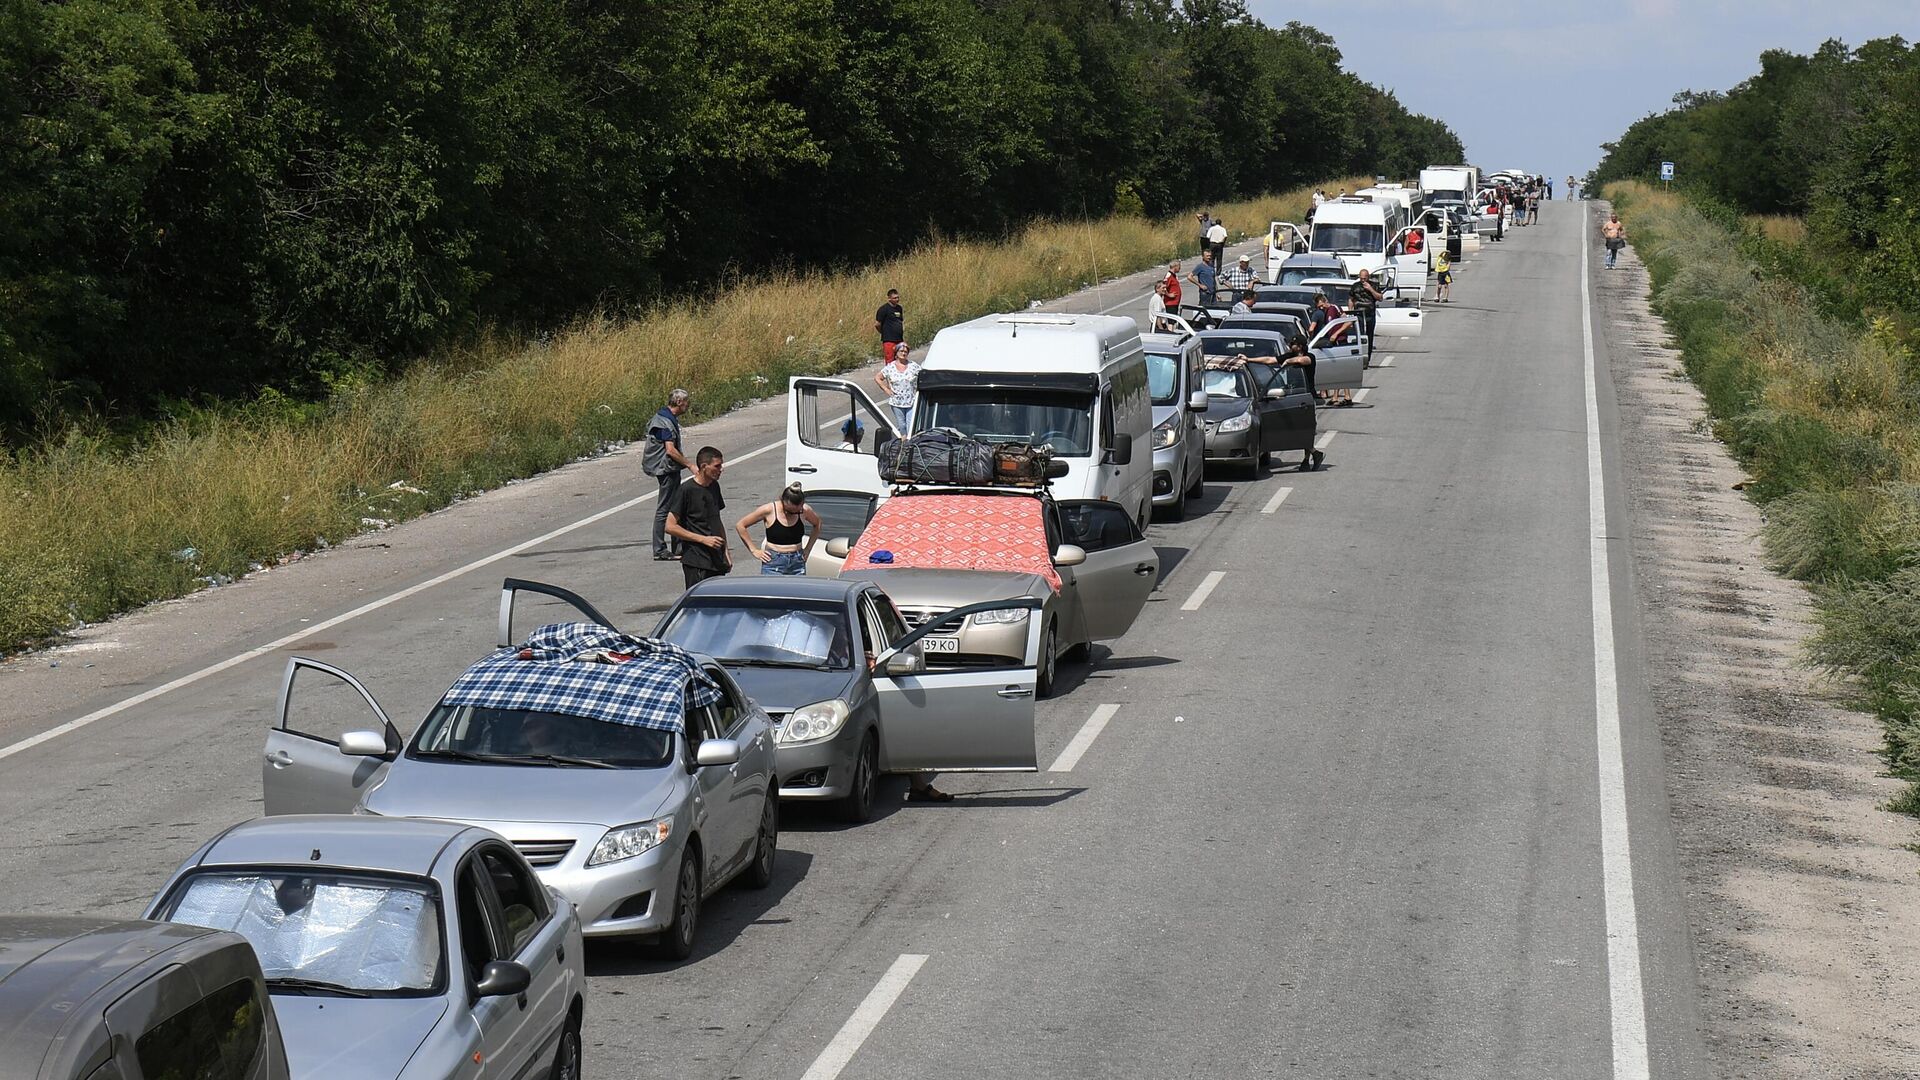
[(1077, 382), (1450, 183)]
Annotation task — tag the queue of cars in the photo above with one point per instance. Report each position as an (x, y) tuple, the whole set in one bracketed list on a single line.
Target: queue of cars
[(419, 905)]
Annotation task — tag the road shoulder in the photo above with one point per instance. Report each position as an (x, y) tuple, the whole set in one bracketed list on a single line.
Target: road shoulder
[(1801, 889)]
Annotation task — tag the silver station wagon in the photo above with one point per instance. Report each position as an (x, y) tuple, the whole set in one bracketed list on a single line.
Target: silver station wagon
[(636, 777)]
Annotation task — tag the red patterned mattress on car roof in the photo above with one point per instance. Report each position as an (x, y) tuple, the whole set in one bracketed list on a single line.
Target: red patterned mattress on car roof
[(958, 532)]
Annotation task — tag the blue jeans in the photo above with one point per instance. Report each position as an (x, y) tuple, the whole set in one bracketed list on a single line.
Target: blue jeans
[(901, 418), (785, 564)]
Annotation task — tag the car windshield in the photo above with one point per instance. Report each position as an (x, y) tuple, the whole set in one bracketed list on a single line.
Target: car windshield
[(322, 932), (474, 733), (759, 630), (1252, 348), (842, 513), (1331, 237), (1062, 418), (1163, 378), (1226, 384)]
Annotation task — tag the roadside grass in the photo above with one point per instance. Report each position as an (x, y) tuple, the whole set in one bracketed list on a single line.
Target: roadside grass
[(90, 527), (1822, 406)]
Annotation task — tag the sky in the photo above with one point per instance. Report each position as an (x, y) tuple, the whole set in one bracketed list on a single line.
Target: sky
[(1542, 89)]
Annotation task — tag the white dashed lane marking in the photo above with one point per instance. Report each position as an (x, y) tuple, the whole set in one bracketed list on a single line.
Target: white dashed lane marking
[(1205, 590), (865, 1018), (1278, 498), (1089, 731)]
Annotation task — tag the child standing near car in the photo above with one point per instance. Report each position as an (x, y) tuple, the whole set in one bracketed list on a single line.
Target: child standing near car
[(1444, 270)]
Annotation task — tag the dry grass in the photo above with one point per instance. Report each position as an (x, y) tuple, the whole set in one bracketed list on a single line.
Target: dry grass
[(87, 530), (1780, 228)]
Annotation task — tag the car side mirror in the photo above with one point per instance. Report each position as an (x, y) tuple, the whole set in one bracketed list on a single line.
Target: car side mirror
[(1121, 452), (1197, 401), (716, 752), (906, 662), (1069, 555), (363, 744), (1277, 393), (503, 978), (839, 546)]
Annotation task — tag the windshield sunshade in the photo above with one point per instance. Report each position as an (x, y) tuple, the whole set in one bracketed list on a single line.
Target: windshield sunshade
[(362, 934), (748, 629)]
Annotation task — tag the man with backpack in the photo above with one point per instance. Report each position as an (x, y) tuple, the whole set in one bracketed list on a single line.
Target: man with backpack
[(663, 461)]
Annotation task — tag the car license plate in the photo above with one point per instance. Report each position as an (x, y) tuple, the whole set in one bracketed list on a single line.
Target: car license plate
[(940, 644)]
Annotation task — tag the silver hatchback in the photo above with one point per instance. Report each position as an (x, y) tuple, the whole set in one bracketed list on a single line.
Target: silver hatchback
[(635, 777)]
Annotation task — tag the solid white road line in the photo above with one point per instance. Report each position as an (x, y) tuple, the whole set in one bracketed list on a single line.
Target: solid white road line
[(1130, 300), (1089, 731), (1278, 498), (865, 1018), (1361, 394), (1321, 442), (299, 635), (1627, 997), (1205, 590), (1386, 362)]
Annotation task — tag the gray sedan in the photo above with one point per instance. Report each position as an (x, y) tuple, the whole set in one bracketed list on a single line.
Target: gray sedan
[(395, 948), (845, 681), (634, 821)]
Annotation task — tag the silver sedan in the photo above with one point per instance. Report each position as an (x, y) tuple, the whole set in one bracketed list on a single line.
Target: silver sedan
[(395, 948)]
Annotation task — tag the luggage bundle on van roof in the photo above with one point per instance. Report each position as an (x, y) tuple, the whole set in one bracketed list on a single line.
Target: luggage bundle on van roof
[(948, 457)]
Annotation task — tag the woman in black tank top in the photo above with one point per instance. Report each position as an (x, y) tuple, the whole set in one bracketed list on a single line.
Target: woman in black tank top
[(788, 519)]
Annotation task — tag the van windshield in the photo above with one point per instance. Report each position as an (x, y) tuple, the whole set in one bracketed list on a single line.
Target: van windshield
[(1001, 414), (1333, 237), (1163, 378)]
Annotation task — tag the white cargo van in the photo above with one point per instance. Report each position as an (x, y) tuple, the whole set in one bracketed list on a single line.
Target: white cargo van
[(1450, 183), (1076, 382)]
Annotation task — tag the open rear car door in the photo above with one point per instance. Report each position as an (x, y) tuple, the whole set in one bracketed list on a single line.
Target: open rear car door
[(822, 416), (330, 746), (1112, 586), (973, 719)]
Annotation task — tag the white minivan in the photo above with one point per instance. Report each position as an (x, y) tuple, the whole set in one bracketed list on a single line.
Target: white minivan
[(1075, 382)]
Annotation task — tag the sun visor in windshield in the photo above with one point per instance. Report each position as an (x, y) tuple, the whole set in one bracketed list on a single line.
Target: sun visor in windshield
[(1071, 382), (583, 669)]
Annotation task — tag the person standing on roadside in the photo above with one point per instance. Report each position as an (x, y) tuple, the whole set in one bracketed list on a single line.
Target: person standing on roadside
[(1205, 217), (899, 379), (1217, 241), (1443, 268), (1571, 184), (890, 321), (694, 518), (1156, 307), (1614, 232), (1205, 278), (1236, 280), (1365, 302), (1533, 206), (1549, 189), (1170, 286), (1319, 197), (663, 461), (788, 519)]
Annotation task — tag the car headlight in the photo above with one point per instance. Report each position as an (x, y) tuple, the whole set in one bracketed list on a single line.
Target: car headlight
[(629, 841), (1235, 423), (811, 723), (1165, 433), (1000, 616)]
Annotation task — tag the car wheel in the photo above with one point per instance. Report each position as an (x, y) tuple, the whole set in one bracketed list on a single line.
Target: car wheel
[(676, 942), (1043, 681), (1178, 511), (766, 844), (858, 804), (566, 1060)]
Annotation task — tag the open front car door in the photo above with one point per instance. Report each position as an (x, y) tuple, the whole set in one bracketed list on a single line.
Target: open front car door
[(330, 746), (975, 719), (834, 432), (1340, 358), (1284, 238), (1120, 570)]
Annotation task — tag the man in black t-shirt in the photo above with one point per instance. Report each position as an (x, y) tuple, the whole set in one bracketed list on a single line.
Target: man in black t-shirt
[(891, 323), (694, 519)]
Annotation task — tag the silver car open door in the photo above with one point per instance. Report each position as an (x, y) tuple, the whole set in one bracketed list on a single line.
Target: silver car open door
[(824, 418), (1341, 364), (511, 588), (306, 769), (1121, 570), (974, 719)]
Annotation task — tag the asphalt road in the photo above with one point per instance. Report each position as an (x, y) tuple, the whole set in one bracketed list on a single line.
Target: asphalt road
[(1345, 820)]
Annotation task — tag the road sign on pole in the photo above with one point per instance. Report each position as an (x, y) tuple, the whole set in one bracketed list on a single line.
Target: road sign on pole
[(1666, 170)]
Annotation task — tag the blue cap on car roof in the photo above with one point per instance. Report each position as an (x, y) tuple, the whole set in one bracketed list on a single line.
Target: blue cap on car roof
[(583, 669)]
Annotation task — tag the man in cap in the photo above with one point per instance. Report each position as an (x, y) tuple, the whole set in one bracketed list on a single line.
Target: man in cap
[(1239, 278)]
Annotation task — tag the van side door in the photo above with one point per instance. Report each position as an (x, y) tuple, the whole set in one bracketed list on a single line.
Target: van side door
[(824, 415)]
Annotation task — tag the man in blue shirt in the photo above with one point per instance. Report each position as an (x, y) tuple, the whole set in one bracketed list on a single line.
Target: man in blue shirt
[(1206, 277), (663, 461)]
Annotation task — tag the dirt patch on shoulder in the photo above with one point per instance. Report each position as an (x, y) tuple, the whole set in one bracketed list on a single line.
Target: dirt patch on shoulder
[(1804, 901)]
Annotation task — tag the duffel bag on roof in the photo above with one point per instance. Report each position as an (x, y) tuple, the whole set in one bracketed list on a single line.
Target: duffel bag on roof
[(941, 456)]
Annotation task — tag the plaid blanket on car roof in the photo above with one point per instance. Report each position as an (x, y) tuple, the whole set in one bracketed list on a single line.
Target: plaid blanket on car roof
[(583, 669)]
